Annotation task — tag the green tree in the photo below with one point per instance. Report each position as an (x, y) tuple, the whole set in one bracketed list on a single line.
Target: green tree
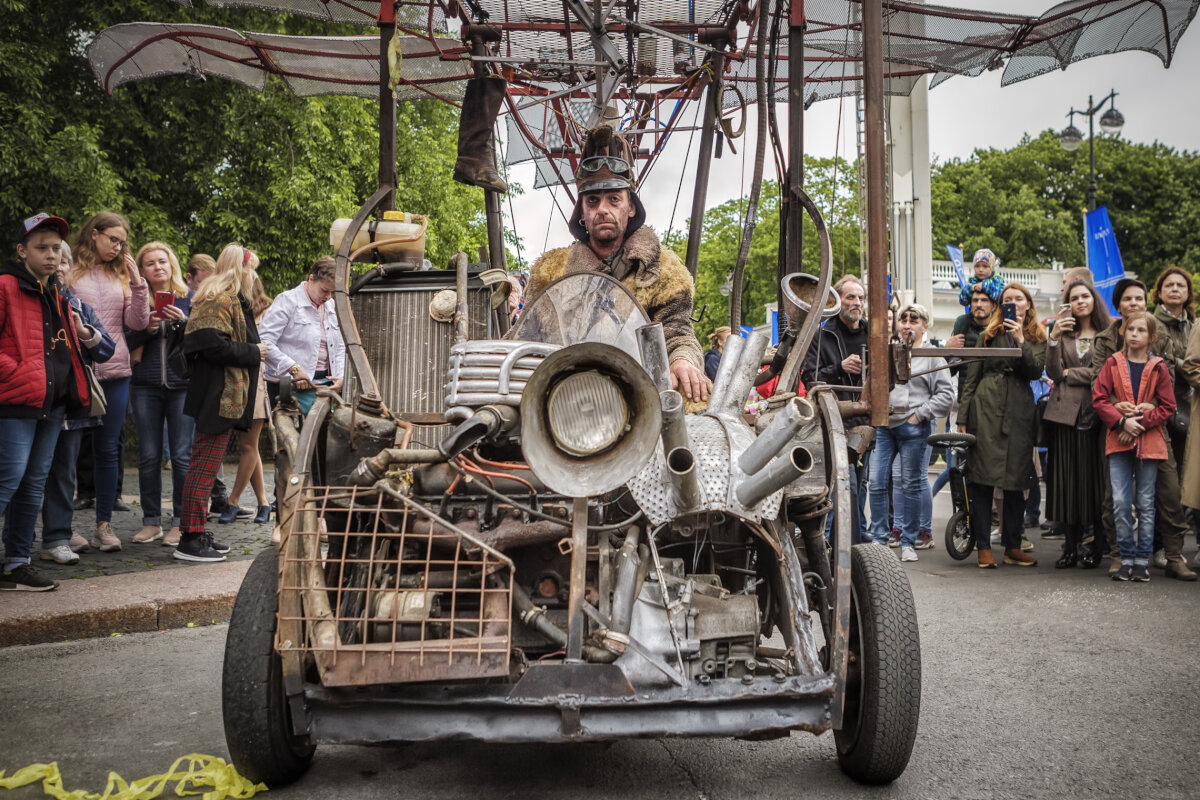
[(832, 185), (200, 163), (1027, 203)]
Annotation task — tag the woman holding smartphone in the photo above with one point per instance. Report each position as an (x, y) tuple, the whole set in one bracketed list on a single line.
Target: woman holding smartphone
[(997, 408), (1074, 467), (158, 390), (106, 277)]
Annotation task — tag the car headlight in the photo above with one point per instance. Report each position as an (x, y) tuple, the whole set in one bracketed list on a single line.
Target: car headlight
[(586, 413)]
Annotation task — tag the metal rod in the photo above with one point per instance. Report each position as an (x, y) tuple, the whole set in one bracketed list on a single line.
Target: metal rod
[(1091, 155), (575, 616), (795, 165), (877, 371), (387, 120), (716, 63)]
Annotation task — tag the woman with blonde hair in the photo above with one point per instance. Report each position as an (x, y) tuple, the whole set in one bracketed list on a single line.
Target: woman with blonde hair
[(224, 355), (106, 278), (997, 408), (250, 470), (157, 392)]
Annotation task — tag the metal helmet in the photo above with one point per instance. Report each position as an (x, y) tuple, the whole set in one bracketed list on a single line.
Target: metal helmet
[(606, 164)]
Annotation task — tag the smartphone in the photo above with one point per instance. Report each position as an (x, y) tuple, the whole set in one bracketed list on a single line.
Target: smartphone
[(1009, 311), (161, 301), (1064, 307)]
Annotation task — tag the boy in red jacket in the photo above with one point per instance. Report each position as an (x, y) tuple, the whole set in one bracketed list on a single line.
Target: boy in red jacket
[(41, 376)]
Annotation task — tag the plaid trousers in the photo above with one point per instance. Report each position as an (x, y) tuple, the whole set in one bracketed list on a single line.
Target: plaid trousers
[(207, 454)]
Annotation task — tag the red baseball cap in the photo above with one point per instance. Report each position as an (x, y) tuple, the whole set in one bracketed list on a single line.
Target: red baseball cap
[(30, 225)]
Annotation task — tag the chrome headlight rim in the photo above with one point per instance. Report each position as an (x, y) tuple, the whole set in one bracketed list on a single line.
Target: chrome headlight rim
[(581, 433)]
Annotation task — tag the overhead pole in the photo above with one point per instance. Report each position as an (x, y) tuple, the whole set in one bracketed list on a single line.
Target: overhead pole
[(877, 339), (387, 108), (793, 262), (716, 62)]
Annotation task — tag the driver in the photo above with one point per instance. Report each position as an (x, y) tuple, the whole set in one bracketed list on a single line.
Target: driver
[(612, 239)]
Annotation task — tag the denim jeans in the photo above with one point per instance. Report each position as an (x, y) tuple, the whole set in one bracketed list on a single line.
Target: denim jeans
[(26, 450), (859, 475), (105, 440), (907, 441), (1133, 483), (925, 521), (154, 406), (58, 509)]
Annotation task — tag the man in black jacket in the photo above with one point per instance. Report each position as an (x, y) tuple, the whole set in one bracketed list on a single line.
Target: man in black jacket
[(836, 358)]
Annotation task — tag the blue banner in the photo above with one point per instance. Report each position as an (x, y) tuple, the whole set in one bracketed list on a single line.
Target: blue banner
[(1103, 255), (955, 254)]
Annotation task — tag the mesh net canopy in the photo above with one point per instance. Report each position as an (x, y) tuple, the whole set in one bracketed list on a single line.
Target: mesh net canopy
[(560, 60)]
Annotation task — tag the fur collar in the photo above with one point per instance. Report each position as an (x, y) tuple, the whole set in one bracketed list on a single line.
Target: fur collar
[(642, 250)]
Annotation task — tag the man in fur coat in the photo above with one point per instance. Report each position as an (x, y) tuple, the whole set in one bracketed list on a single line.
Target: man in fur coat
[(608, 224)]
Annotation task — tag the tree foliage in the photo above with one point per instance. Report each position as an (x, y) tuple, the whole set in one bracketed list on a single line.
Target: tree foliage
[(832, 185), (200, 163), (1027, 203)]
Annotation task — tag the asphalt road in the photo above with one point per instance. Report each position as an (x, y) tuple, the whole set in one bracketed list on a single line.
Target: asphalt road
[(1037, 683)]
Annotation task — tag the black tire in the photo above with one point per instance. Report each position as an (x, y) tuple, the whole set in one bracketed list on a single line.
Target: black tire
[(883, 679), (959, 542), (258, 725)]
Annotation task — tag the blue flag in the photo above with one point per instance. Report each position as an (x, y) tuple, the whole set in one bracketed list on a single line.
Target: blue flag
[(1103, 255), (956, 259)]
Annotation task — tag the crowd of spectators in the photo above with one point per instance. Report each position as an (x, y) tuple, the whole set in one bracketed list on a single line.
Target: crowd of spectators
[(1098, 408), (90, 332)]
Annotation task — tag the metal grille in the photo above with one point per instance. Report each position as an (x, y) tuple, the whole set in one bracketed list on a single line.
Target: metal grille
[(395, 595), (408, 350)]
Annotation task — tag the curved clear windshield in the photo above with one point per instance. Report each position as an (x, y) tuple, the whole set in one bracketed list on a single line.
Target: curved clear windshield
[(583, 307)]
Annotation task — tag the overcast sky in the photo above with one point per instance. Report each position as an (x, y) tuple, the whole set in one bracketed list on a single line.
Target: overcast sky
[(965, 113)]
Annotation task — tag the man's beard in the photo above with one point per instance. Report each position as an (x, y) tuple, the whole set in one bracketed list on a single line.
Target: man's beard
[(853, 316)]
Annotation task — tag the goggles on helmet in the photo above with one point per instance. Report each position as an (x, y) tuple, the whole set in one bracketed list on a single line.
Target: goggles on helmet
[(593, 164)]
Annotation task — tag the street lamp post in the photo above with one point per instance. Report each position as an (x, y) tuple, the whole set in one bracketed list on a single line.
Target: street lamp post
[(1110, 124)]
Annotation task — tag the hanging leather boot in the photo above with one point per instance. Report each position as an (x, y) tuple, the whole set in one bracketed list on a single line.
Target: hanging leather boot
[(1070, 550), (476, 164)]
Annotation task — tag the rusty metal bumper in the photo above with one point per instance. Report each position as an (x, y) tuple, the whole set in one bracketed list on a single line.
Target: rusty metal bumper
[(568, 703)]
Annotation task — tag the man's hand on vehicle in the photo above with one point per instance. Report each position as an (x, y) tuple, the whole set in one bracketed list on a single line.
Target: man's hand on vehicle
[(691, 382)]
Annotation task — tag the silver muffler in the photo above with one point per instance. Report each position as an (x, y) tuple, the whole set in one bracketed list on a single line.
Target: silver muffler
[(739, 364), (779, 473), (794, 417)]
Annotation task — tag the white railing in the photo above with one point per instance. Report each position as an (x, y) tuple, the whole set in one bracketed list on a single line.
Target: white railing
[(943, 271)]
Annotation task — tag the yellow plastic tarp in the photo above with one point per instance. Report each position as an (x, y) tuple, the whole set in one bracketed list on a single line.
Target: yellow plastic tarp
[(192, 774)]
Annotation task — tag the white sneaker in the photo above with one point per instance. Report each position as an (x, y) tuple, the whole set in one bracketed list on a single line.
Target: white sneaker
[(1159, 559), (907, 553), (60, 554), (996, 535)]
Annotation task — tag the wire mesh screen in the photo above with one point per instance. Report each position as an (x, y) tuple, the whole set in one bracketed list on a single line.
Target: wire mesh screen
[(382, 590)]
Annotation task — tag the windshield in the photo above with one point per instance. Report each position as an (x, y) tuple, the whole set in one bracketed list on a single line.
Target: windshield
[(583, 307)]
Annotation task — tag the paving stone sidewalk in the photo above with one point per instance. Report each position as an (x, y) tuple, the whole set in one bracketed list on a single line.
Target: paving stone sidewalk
[(245, 538)]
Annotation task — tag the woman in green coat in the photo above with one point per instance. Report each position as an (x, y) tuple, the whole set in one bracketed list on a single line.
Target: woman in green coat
[(997, 408)]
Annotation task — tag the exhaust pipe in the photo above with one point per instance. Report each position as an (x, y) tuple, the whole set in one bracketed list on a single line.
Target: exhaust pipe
[(486, 422), (778, 474), (795, 416), (629, 568), (729, 395), (653, 346), (685, 485), (674, 430)]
